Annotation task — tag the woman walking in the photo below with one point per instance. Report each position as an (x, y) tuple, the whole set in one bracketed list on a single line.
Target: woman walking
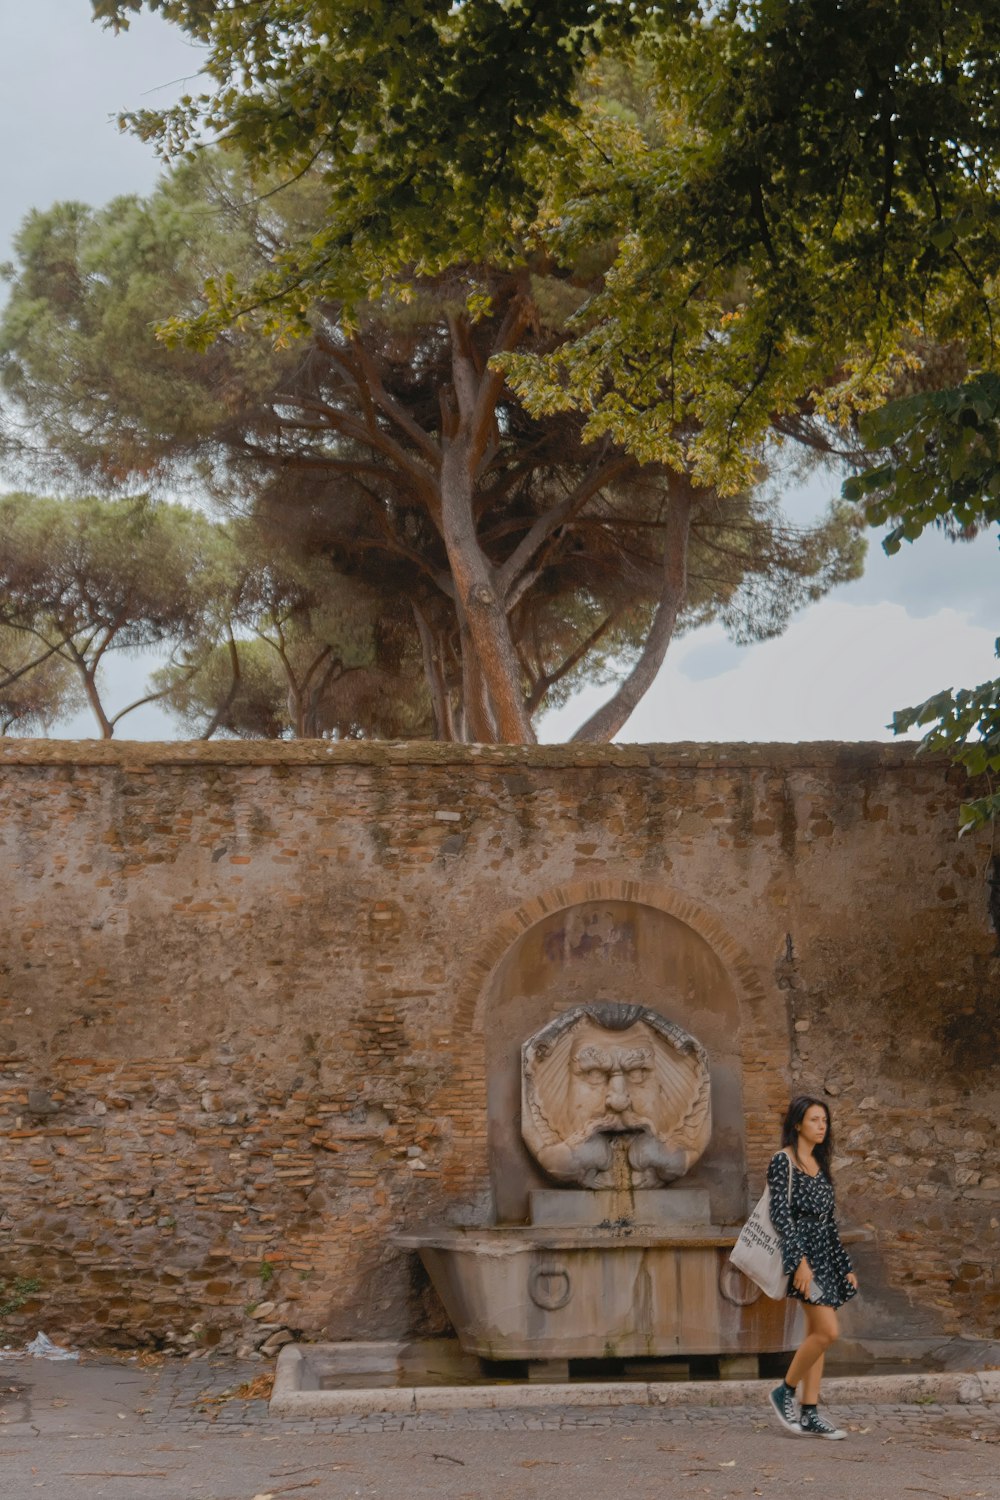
[(821, 1275)]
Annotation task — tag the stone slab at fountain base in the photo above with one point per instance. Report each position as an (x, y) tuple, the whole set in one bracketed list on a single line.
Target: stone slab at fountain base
[(302, 1391), (594, 1293)]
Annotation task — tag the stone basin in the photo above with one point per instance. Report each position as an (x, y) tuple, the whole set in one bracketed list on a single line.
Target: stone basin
[(516, 1292)]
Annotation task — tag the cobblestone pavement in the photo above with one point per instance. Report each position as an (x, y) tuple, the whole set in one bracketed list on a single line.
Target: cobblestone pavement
[(113, 1430)]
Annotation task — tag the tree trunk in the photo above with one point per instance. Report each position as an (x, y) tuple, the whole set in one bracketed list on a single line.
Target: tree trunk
[(434, 677), (609, 719), (234, 687), (314, 689), (480, 603), (296, 711), (478, 722), (94, 699)]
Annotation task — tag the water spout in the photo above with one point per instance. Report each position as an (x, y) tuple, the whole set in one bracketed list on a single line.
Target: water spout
[(622, 1194)]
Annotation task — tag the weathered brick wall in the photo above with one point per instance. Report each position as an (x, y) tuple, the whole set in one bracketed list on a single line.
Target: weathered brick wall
[(245, 994)]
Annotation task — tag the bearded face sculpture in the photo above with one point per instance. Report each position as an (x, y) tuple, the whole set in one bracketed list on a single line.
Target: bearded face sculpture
[(615, 1096)]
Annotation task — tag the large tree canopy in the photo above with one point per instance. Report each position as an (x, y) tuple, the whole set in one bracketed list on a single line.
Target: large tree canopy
[(308, 654), (514, 555), (443, 103), (862, 140), (80, 578), (259, 643), (37, 685), (798, 201)]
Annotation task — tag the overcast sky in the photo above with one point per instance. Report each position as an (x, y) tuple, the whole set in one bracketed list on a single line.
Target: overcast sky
[(915, 623)]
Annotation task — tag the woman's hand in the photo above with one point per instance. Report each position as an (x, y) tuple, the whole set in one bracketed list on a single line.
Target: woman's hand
[(802, 1280), (852, 1280)]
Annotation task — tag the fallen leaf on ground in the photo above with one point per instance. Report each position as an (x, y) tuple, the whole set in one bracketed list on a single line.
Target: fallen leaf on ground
[(257, 1389)]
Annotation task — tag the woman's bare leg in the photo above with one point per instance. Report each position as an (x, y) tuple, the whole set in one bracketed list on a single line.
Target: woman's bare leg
[(821, 1331), (810, 1382)]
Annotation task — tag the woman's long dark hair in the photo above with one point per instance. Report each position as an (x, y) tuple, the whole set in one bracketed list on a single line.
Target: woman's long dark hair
[(789, 1135)]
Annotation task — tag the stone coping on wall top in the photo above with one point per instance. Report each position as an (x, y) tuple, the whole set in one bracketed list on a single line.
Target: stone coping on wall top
[(134, 754)]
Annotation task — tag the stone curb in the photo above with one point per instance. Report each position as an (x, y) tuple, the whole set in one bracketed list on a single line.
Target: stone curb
[(957, 1388)]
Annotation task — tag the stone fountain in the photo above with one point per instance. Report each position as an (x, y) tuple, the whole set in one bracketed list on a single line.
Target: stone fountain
[(619, 1258)]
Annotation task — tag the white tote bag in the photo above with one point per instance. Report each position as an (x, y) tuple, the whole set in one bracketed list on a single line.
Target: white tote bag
[(757, 1252)]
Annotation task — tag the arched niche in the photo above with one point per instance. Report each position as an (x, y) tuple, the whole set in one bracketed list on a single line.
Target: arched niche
[(622, 950)]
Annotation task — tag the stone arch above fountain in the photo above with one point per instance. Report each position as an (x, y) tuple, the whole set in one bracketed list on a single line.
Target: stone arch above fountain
[(620, 942), (618, 1007)]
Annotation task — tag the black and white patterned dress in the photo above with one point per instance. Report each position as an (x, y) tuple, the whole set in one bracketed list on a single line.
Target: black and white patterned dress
[(807, 1226)]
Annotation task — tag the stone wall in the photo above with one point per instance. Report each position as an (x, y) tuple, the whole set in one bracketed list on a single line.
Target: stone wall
[(248, 994)]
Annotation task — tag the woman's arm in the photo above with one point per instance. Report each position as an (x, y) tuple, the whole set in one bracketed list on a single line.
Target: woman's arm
[(841, 1258)]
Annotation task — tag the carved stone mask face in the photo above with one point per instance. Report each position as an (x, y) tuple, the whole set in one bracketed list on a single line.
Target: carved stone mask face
[(603, 1073), (612, 1082)]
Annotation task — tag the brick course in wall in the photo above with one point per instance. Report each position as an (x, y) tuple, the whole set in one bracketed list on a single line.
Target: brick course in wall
[(243, 996)]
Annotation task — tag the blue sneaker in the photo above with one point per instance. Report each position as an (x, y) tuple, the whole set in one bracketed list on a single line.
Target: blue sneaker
[(782, 1402), (816, 1426)]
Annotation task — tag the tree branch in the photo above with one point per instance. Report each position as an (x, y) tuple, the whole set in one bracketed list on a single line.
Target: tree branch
[(155, 697), (230, 698), (12, 674), (396, 412), (558, 516), (369, 435), (547, 680), (609, 719), (492, 381)]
